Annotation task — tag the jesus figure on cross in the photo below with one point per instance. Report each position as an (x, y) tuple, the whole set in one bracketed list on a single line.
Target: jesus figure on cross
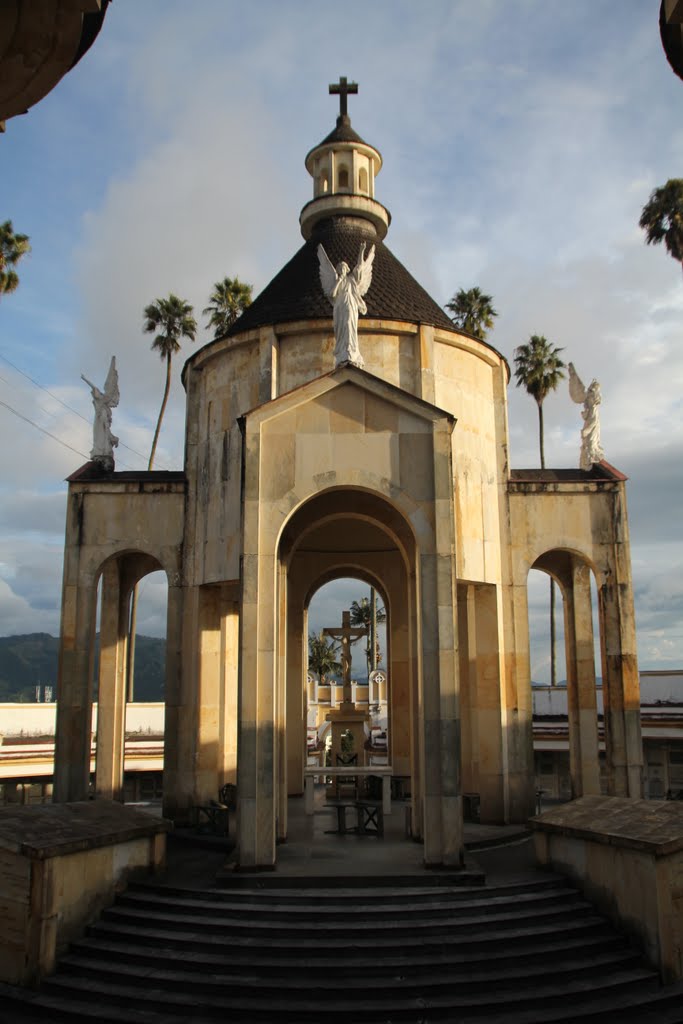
[(345, 636)]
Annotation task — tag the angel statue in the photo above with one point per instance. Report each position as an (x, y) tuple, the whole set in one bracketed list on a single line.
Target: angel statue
[(103, 441), (345, 289), (591, 449)]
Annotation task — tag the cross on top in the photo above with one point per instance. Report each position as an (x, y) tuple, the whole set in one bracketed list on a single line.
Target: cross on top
[(343, 89)]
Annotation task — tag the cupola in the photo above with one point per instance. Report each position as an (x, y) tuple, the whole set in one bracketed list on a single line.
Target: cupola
[(343, 168)]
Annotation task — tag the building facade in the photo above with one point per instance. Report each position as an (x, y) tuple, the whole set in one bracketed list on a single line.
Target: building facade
[(298, 472)]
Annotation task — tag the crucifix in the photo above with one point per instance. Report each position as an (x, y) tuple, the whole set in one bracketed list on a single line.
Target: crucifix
[(345, 635), (343, 89)]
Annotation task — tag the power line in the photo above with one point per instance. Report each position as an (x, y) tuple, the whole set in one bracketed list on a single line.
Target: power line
[(42, 429), (65, 404), (54, 437)]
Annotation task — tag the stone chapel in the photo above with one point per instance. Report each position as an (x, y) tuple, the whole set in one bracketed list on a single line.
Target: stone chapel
[(297, 472)]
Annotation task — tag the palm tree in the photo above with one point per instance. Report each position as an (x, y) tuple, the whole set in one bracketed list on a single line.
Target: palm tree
[(538, 368), (322, 656), (662, 218), (172, 318), (227, 302), (472, 312), (12, 248), (362, 615)]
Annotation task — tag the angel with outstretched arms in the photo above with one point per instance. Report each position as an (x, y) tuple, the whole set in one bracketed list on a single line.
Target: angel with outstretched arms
[(590, 397), (103, 441), (345, 289)]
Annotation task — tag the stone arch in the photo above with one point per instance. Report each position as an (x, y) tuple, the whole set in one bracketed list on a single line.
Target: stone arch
[(120, 573), (571, 571), (337, 533), (118, 570)]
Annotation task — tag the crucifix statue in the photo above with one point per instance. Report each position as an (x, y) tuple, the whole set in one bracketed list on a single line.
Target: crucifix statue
[(345, 636), (343, 89)]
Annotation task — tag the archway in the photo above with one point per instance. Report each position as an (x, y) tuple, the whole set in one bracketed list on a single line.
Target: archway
[(572, 574), (347, 533), (118, 576)]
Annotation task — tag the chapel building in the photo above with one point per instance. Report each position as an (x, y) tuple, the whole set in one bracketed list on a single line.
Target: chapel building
[(298, 472)]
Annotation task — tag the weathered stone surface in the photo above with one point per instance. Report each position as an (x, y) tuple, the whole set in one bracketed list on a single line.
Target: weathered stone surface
[(653, 826), (53, 830)]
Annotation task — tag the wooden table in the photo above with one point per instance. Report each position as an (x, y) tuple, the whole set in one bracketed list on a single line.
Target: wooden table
[(383, 771)]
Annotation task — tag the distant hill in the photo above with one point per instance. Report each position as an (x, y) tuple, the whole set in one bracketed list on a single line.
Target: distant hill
[(31, 658)]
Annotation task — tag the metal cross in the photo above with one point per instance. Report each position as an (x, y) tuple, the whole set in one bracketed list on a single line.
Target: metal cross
[(343, 89)]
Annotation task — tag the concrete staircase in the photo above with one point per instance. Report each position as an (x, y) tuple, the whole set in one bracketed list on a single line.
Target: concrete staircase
[(522, 953)]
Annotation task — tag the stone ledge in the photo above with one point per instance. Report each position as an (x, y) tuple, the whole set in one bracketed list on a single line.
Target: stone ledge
[(650, 826), (53, 830)]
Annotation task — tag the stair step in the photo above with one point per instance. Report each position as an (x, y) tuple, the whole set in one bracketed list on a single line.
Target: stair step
[(237, 960), (287, 890), (485, 936), (342, 983), (397, 1005), (382, 909), (352, 927), (642, 1006)]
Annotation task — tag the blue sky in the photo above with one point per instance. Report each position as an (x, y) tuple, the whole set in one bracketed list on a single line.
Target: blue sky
[(520, 142)]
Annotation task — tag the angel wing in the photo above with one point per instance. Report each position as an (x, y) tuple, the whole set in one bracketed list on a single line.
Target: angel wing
[(577, 391), (363, 270), (111, 385), (328, 275)]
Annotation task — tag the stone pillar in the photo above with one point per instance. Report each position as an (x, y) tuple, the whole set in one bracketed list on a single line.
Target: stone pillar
[(111, 701), (620, 690), (295, 739), (230, 627), (425, 346), (584, 763), (207, 745), (268, 365), (74, 687), (468, 675), (176, 801), (489, 706), (442, 827)]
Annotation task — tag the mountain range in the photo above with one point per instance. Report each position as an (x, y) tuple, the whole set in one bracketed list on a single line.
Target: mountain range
[(30, 660)]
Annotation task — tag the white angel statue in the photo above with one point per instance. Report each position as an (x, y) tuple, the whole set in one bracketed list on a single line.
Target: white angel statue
[(103, 441), (345, 289), (591, 449)]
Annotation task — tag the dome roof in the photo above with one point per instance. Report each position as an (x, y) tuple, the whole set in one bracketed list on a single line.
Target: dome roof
[(296, 293)]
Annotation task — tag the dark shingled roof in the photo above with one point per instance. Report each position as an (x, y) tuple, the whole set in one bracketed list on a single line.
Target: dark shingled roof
[(342, 132), (296, 294)]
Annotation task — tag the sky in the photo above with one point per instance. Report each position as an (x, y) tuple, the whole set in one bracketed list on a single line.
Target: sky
[(520, 140)]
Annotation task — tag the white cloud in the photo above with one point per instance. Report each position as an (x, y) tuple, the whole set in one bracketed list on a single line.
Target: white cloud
[(519, 147)]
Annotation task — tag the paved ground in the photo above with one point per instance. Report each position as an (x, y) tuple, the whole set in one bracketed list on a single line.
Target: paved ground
[(314, 849)]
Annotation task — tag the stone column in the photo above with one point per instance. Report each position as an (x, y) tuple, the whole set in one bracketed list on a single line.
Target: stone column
[(176, 801), (584, 763), (74, 688), (620, 680), (489, 706), (425, 353), (111, 701)]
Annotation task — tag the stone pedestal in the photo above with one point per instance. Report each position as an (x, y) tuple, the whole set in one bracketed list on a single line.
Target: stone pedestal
[(347, 718)]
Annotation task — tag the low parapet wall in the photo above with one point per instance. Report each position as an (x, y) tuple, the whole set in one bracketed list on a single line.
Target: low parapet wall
[(60, 865), (627, 857)]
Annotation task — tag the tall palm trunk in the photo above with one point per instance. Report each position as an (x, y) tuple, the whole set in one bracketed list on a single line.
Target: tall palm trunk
[(130, 666), (161, 411)]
